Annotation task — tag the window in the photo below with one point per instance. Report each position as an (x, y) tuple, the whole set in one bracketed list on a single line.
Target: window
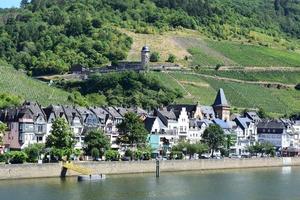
[(40, 128)]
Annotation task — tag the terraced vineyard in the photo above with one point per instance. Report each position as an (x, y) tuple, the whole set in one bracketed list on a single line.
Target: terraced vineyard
[(17, 83), (287, 77), (252, 55), (240, 95)]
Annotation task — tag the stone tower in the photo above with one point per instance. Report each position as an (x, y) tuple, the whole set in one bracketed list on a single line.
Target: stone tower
[(145, 57), (221, 106)]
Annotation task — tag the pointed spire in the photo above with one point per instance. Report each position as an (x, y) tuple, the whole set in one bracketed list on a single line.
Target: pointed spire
[(221, 100)]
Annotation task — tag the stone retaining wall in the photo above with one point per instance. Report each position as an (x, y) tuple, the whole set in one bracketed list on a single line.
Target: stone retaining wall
[(54, 170)]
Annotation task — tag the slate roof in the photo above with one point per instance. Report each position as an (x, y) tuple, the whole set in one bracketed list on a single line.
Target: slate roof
[(253, 115), (221, 100), (71, 113), (113, 112), (56, 109), (208, 110), (168, 114), (178, 107), (270, 124), (243, 122), (149, 121), (222, 124), (100, 112)]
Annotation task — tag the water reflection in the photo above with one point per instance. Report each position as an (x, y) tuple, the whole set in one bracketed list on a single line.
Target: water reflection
[(267, 183)]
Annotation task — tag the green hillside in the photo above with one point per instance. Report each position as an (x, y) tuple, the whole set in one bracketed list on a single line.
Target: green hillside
[(240, 95), (17, 83)]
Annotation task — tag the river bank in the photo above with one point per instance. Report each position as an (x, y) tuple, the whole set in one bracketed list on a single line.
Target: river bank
[(24, 171)]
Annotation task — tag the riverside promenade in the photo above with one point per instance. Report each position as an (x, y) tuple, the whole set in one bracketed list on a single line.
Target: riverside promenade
[(23, 171)]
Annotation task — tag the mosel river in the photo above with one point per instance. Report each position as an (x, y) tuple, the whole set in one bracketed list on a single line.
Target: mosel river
[(250, 184)]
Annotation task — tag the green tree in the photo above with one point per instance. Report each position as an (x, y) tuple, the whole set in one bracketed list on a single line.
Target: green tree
[(61, 139), (95, 153), (132, 130), (214, 137), (3, 129), (171, 58), (112, 155), (154, 57), (262, 113), (34, 151), (96, 139), (16, 157)]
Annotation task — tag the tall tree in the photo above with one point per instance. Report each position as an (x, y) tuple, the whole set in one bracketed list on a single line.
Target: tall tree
[(96, 139), (132, 130), (214, 137), (61, 138)]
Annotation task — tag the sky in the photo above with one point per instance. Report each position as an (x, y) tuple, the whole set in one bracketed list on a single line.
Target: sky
[(9, 3)]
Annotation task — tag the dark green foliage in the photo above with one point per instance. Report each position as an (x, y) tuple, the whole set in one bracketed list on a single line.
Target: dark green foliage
[(127, 89), (214, 137), (297, 87), (132, 130), (17, 157), (33, 152), (154, 57), (8, 100), (96, 139), (262, 113), (171, 58), (112, 155), (95, 153)]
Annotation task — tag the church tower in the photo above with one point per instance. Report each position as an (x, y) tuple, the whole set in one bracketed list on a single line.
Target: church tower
[(145, 57), (221, 106)]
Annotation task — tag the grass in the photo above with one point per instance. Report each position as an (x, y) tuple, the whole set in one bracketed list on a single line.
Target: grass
[(202, 58), (287, 77), (17, 83), (252, 55), (240, 95)]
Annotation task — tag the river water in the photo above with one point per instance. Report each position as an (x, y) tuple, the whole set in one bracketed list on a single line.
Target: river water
[(249, 184)]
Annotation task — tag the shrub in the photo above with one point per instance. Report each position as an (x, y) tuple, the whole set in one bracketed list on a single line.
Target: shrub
[(171, 58), (17, 157), (177, 155), (297, 87), (2, 158), (154, 57), (138, 154), (32, 154), (128, 153), (112, 155), (95, 153)]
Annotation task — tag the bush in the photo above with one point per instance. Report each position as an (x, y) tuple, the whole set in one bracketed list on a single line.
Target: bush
[(32, 153), (2, 158), (297, 87), (177, 155), (171, 58), (128, 153), (95, 153), (138, 155), (154, 57), (17, 157), (112, 155)]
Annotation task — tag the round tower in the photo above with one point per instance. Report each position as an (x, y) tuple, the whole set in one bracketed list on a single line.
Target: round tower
[(145, 56)]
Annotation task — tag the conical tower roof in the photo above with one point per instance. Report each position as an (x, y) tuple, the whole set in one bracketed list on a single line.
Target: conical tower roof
[(221, 100)]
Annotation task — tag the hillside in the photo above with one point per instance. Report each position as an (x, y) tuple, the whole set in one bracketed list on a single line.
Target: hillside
[(255, 45), (17, 83)]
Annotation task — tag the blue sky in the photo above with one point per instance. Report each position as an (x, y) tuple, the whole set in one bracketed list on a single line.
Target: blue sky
[(9, 3)]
